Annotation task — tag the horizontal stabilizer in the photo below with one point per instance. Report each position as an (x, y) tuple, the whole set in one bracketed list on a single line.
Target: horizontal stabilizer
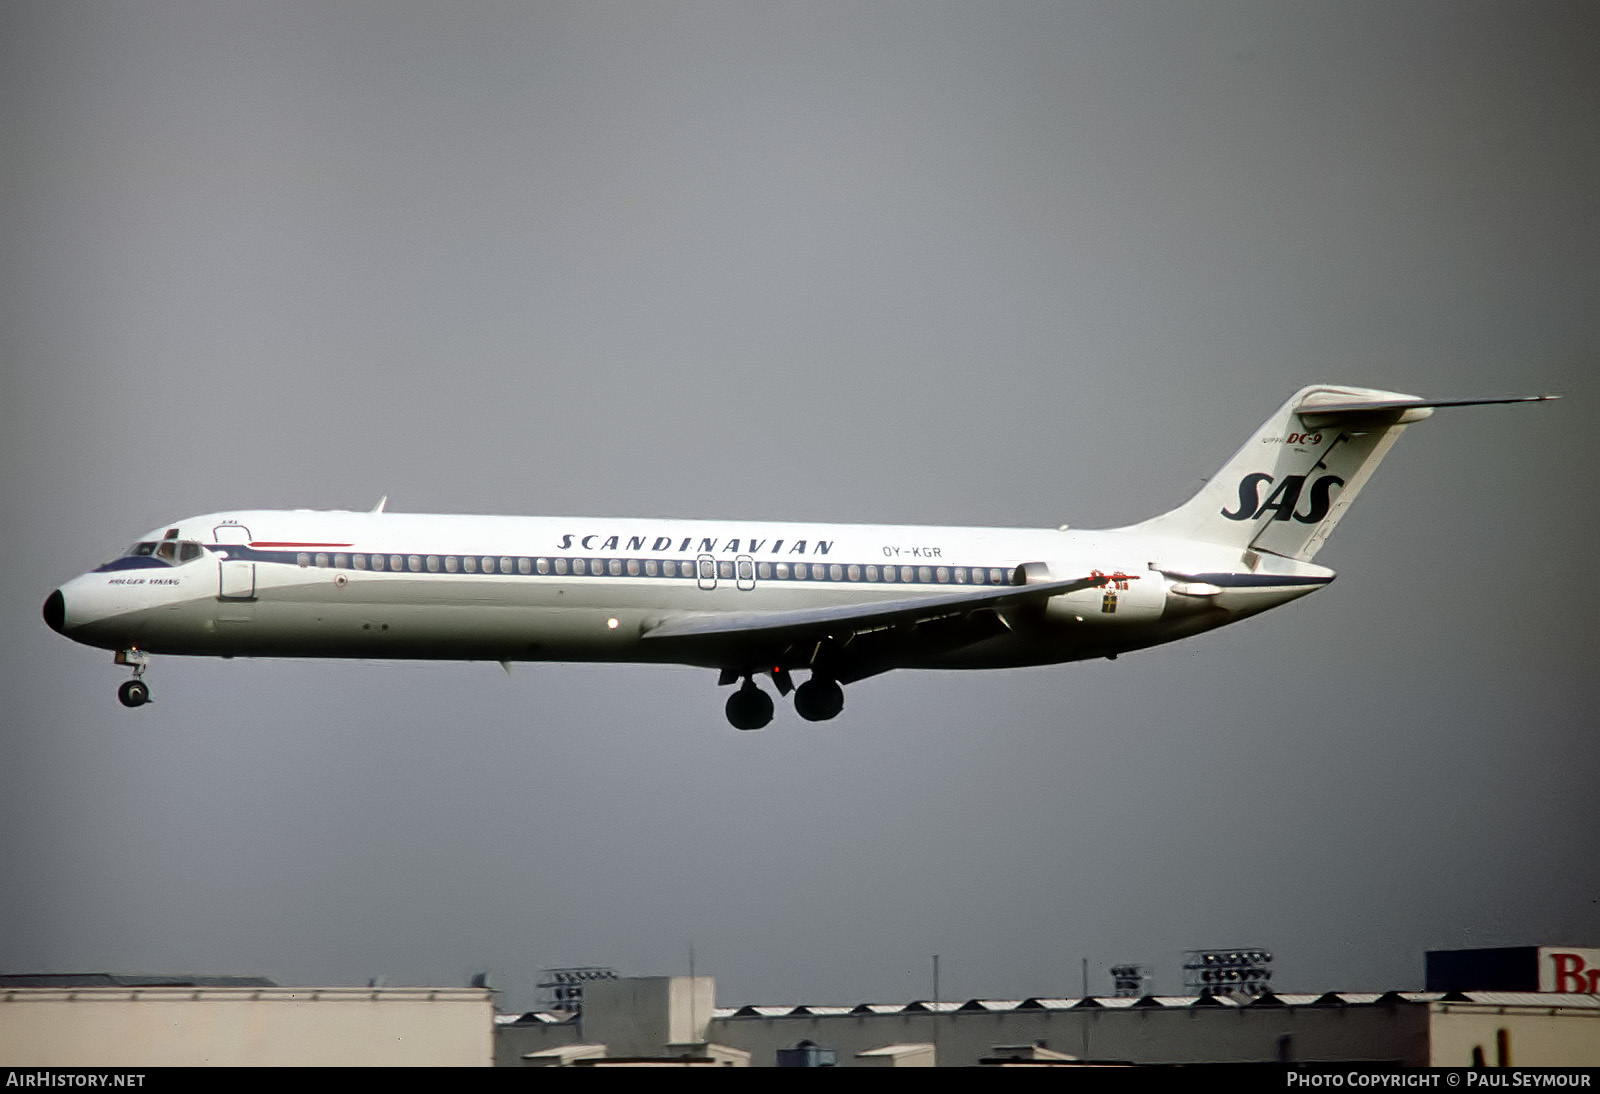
[(1323, 408)]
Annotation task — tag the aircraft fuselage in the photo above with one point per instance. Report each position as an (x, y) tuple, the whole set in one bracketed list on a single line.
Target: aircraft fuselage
[(389, 585)]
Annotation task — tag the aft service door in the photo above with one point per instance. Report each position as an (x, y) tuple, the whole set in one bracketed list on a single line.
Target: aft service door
[(238, 575)]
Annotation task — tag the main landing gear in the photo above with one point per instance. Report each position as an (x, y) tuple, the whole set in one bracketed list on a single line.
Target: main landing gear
[(135, 692), (749, 707), (816, 700)]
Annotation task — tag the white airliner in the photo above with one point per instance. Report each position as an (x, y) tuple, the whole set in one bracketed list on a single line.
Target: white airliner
[(839, 601)]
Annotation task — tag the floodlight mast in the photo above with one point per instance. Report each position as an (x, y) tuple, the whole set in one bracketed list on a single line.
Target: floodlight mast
[(1242, 971), (1128, 981), (562, 989)]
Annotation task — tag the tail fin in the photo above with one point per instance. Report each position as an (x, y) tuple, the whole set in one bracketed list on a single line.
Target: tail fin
[(1288, 487)]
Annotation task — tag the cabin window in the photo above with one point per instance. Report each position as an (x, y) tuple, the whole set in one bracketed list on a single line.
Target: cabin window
[(997, 577), (633, 567), (651, 567), (451, 564), (725, 570), (543, 565), (854, 573), (764, 570), (377, 562), (433, 564), (341, 561), (358, 561), (505, 565), (322, 560), (469, 564), (943, 575), (561, 565), (614, 567), (888, 573), (924, 573), (302, 559), (524, 565), (579, 566)]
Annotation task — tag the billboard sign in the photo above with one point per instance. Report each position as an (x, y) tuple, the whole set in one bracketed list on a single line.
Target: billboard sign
[(1569, 971)]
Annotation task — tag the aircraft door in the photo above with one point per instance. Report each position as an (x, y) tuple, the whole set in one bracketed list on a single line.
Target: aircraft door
[(706, 568), (745, 572), (238, 575)]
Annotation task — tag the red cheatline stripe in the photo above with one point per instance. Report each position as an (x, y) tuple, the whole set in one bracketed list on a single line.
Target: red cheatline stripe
[(288, 544)]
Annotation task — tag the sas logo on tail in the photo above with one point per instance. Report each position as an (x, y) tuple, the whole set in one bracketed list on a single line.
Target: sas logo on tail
[(1285, 498)]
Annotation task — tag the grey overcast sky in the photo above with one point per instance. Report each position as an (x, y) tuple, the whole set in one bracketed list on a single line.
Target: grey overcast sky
[(1002, 263)]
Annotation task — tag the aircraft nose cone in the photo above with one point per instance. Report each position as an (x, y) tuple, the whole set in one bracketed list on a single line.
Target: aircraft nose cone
[(55, 611)]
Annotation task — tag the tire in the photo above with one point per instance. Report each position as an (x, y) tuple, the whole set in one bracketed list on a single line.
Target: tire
[(818, 700), (749, 708)]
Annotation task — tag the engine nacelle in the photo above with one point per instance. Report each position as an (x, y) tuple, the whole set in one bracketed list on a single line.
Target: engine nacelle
[(1128, 595)]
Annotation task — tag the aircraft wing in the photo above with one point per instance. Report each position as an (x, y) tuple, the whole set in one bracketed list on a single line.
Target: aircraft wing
[(842, 620)]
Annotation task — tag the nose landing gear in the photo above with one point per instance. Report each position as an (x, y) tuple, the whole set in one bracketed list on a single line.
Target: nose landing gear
[(135, 692)]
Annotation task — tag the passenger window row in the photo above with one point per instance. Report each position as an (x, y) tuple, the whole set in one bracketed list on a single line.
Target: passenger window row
[(723, 569)]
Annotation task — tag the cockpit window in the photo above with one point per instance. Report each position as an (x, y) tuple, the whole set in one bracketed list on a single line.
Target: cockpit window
[(171, 551)]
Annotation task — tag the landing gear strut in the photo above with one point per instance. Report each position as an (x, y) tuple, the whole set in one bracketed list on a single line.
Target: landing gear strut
[(818, 699), (135, 692), (749, 707)]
